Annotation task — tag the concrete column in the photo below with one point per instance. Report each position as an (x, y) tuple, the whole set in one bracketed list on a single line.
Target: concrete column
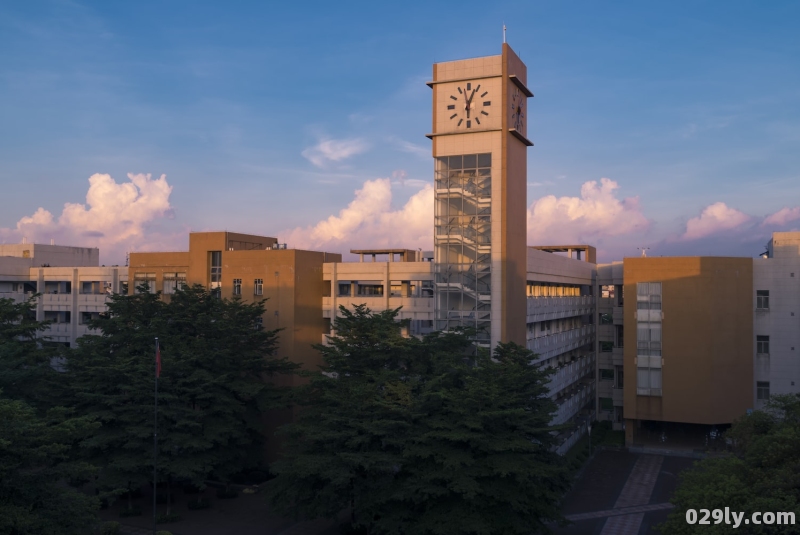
[(387, 285), (73, 327), (334, 291), (40, 301)]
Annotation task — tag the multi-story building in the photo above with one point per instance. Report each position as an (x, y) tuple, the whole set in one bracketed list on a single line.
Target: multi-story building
[(382, 285), (610, 343), (776, 318), (252, 268), (74, 288), (702, 340), (560, 327)]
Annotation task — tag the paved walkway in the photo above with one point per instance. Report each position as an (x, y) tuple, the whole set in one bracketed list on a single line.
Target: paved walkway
[(637, 491), (620, 512), (622, 493)]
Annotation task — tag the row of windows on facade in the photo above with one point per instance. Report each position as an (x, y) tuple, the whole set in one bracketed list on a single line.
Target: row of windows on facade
[(396, 289), (177, 281), (65, 316), (58, 287), (648, 341), (537, 289)]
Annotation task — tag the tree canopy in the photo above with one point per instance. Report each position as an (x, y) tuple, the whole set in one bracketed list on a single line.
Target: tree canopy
[(417, 436), (25, 363), (214, 385), (761, 475), (36, 460)]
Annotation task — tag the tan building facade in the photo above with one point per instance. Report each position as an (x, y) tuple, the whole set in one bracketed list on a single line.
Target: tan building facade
[(480, 153), (687, 341), (253, 268)]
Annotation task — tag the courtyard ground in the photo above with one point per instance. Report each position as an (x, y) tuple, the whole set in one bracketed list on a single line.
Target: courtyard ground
[(622, 493)]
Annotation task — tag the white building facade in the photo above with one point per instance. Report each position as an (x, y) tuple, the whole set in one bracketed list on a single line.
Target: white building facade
[(74, 288)]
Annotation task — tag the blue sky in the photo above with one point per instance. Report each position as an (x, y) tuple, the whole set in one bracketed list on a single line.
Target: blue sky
[(267, 117)]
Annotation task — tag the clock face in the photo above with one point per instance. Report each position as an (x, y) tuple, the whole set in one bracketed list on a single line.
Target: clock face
[(517, 105), (468, 105)]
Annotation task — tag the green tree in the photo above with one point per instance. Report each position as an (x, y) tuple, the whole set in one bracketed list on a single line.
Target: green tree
[(25, 363), (417, 436), (354, 417), (36, 462), (216, 364), (762, 474)]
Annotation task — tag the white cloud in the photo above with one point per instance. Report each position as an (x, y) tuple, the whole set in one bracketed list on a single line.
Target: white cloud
[(783, 216), (370, 222), (596, 213), (714, 218), (115, 217), (330, 151)]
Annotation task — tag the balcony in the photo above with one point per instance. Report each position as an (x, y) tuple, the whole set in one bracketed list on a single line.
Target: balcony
[(571, 373), (570, 406), (552, 345), (410, 305), (58, 328), (548, 308), (94, 299), (57, 299)]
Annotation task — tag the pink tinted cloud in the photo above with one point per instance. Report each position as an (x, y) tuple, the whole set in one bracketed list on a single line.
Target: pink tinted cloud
[(115, 217), (370, 221), (783, 216), (597, 213), (714, 218)]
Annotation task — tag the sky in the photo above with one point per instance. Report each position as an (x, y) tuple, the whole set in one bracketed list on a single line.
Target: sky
[(125, 125)]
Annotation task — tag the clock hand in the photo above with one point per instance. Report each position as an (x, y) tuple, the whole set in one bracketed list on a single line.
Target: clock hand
[(466, 107)]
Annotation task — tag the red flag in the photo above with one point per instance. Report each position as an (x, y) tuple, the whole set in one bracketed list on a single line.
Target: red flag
[(158, 362)]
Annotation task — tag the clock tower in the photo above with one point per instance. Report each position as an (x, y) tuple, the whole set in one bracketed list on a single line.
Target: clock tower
[(480, 125)]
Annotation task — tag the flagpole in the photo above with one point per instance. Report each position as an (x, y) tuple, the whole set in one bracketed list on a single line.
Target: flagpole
[(155, 432)]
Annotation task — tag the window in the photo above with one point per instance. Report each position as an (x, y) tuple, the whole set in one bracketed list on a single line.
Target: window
[(258, 287), (607, 291), (146, 280), (648, 381), (762, 344), (259, 323), (215, 261), (762, 390), (344, 289), (174, 282), (762, 299), (620, 336), (123, 287), (606, 375), (58, 316), (427, 288), (86, 317), (606, 319), (375, 290), (237, 286), (606, 347), (606, 404), (620, 383)]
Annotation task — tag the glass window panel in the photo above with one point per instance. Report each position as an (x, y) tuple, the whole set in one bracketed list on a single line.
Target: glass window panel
[(655, 378), (642, 377)]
